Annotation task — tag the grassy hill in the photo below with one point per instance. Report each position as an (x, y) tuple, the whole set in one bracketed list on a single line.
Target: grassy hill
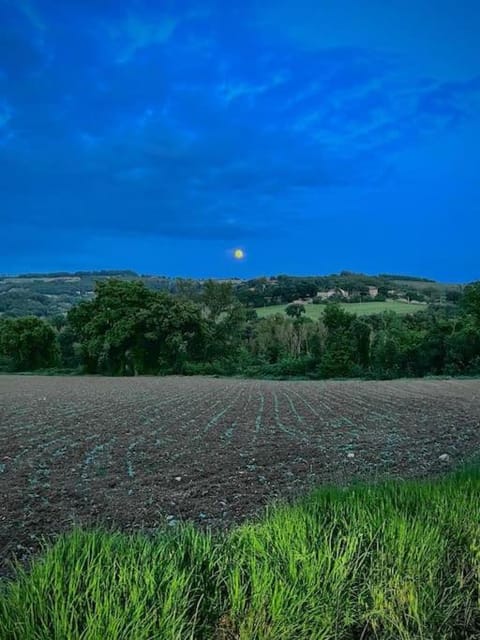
[(314, 311), (50, 294)]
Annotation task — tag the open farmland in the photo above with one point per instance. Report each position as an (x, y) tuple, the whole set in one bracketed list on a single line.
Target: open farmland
[(137, 452), (315, 311)]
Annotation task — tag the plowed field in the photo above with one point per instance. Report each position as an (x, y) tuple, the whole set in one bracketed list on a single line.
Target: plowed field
[(139, 452)]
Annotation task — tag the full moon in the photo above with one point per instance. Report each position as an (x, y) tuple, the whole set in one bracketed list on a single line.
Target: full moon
[(239, 254)]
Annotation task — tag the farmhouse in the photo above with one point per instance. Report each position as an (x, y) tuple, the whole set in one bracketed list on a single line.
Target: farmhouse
[(325, 295)]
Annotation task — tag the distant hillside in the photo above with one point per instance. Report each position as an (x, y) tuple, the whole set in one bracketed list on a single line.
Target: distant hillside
[(345, 287), (50, 294), (315, 311)]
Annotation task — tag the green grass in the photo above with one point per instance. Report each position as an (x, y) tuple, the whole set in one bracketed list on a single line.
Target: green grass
[(397, 561), (314, 311)]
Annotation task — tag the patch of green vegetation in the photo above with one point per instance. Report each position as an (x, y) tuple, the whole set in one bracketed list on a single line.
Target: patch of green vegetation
[(315, 311), (398, 561), (128, 328)]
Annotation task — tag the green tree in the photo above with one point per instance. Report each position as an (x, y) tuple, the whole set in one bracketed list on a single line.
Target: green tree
[(218, 298), (225, 321), (339, 356), (28, 343), (295, 310), (361, 332), (463, 347), (128, 329), (385, 355), (471, 300)]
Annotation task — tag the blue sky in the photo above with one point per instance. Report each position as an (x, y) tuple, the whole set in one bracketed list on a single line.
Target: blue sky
[(316, 135)]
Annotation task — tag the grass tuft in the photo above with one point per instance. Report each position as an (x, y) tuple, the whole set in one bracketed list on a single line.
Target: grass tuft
[(397, 561)]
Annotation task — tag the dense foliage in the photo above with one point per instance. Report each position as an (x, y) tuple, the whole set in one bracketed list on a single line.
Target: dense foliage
[(130, 329), (27, 343)]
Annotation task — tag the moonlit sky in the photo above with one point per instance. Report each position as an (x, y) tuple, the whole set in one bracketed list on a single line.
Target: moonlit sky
[(318, 135)]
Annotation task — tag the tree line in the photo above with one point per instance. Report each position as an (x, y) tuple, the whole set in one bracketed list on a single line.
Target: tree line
[(129, 329), (47, 295)]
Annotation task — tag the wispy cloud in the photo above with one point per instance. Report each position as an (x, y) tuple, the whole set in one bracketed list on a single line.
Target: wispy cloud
[(129, 119), (135, 34), (232, 90), (31, 12), (5, 114)]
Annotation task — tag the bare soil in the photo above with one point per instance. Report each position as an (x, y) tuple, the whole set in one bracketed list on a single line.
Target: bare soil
[(136, 453)]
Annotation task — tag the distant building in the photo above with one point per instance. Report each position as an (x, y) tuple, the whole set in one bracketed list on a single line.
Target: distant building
[(325, 295)]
